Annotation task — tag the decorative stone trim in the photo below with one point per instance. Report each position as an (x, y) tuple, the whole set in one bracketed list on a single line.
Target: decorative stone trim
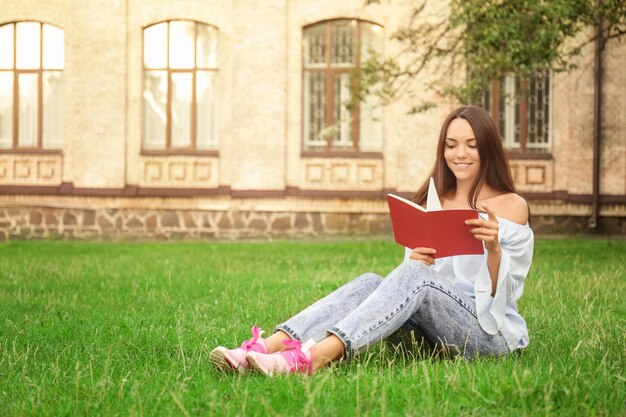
[(533, 175), (341, 174), (179, 171), (27, 169)]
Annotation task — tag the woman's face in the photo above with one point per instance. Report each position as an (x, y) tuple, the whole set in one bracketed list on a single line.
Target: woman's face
[(461, 151)]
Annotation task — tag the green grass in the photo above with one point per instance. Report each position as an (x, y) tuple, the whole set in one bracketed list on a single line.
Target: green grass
[(111, 329)]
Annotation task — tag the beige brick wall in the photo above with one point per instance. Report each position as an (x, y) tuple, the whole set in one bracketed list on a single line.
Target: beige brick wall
[(260, 117), (258, 137), (613, 168), (95, 52), (573, 125)]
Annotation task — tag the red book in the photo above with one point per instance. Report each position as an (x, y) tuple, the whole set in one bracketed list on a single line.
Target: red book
[(442, 230)]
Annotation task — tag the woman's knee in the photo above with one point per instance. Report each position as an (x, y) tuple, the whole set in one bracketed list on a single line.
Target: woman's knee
[(418, 273), (370, 277)]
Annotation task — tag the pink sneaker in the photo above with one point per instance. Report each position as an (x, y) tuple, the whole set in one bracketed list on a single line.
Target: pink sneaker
[(296, 358), (235, 359)]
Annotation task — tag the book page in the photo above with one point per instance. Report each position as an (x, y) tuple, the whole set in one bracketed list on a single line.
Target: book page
[(432, 201), (409, 202)]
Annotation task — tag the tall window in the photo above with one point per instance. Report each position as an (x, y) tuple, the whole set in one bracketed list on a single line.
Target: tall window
[(521, 108), (31, 86), (179, 90), (331, 50)]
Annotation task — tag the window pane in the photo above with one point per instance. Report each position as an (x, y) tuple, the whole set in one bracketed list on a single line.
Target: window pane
[(53, 49), (342, 116), (206, 99), (370, 111), (510, 95), (538, 112), (155, 46), (518, 96), (501, 103), (28, 114), (508, 121), (182, 42), (52, 109), (344, 40), (6, 109), (28, 47), (314, 44), (181, 109), (544, 106), (371, 125), (206, 52), (531, 114), (314, 108), (511, 123), (485, 99), (6, 47), (371, 40), (154, 109)]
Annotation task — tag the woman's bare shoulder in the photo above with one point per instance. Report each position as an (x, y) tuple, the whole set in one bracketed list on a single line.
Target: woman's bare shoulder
[(511, 206)]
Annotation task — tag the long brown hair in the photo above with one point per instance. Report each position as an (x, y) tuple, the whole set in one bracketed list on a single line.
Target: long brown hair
[(494, 166)]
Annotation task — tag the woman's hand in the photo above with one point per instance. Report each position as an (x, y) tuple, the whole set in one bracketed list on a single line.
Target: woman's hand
[(424, 255), (486, 230)]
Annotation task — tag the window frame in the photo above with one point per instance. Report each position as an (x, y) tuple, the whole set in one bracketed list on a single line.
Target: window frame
[(521, 95), (169, 150), (38, 148), (330, 72)]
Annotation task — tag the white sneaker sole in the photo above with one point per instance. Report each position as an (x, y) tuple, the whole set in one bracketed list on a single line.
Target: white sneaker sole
[(252, 362), (219, 359)]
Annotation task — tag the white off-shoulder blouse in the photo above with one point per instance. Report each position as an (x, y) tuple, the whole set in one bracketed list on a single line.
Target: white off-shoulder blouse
[(470, 274)]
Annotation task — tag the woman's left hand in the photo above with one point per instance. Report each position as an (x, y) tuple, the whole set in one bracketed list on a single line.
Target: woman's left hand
[(486, 230)]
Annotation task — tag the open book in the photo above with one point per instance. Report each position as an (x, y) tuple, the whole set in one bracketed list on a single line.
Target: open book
[(442, 230)]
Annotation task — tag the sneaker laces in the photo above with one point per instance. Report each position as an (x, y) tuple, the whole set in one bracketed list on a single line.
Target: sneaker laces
[(295, 356), (254, 344)]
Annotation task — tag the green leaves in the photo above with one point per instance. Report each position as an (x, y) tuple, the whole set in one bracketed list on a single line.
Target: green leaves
[(485, 39)]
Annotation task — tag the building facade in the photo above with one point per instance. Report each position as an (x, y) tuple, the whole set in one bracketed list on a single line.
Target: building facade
[(164, 119)]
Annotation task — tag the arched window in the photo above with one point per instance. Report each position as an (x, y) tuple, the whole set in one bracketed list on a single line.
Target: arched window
[(31, 86), (179, 90), (331, 50), (521, 109)]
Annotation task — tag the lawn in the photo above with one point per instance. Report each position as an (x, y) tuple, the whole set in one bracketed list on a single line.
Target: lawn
[(110, 329)]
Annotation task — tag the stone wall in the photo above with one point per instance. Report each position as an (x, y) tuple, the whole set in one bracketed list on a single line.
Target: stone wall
[(127, 224), (18, 223), (577, 225)]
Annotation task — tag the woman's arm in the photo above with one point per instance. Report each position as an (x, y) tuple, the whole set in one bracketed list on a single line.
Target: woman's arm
[(494, 299), (487, 231)]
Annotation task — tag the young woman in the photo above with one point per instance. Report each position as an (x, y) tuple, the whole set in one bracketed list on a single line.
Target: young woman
[(466, 304)]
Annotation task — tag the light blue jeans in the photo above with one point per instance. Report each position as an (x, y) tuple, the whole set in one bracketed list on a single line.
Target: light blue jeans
[(413, 300)]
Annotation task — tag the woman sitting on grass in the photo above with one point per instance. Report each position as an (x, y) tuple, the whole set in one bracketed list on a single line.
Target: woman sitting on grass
[(465, 302)]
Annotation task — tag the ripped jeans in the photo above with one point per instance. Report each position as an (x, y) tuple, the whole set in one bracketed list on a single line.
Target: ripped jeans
[(412, 300)]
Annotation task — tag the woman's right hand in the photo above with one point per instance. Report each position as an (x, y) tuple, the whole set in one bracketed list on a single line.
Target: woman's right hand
[(424, 255)]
